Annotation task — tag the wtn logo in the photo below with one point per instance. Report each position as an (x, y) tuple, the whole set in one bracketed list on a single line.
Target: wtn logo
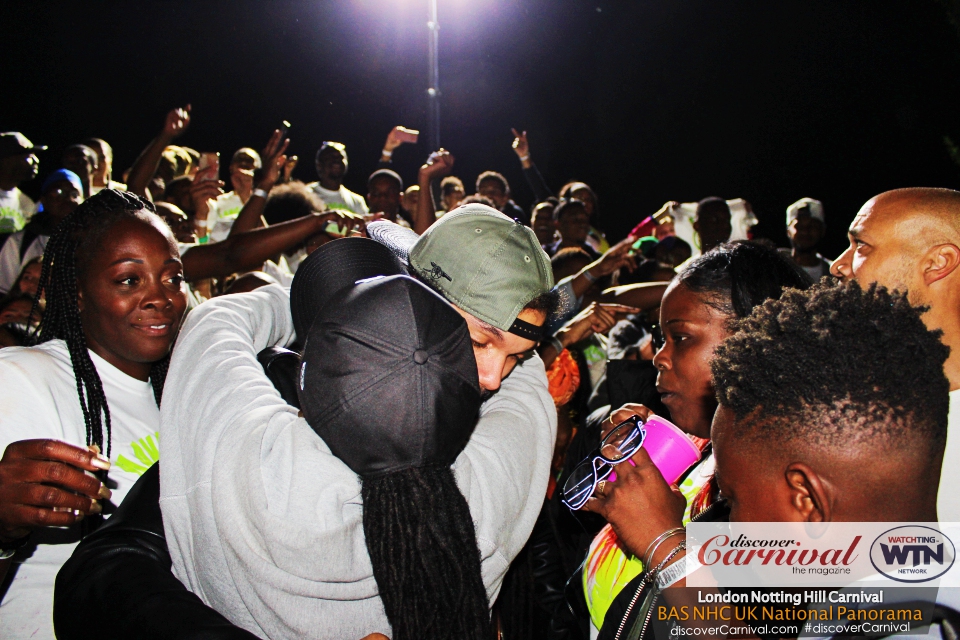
[(912, 554), (922, 554)]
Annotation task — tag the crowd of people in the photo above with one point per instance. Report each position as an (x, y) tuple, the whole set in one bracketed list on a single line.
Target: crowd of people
[(290, 410)]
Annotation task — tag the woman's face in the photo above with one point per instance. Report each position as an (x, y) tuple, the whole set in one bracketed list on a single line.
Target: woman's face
[(30, 279), (692, 330), (131, 295)]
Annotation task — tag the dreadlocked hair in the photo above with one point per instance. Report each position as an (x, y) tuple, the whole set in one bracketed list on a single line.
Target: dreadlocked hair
[(64, 259), (426, 562)]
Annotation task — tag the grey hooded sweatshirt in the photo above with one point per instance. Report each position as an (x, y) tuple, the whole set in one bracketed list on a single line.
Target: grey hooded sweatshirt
[(264, 523)]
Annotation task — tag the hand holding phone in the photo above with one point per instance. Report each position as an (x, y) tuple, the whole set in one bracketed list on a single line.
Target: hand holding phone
[(210, 159), (407, 135)]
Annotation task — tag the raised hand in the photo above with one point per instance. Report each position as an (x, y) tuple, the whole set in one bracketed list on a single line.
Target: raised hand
[(274, 160), (397, 136), (624, 413), (520, 145), (639, 505), (206, 186), (288, 168), (43, 484), (176, 122), (617, 257), (438, 164), (596, 318)]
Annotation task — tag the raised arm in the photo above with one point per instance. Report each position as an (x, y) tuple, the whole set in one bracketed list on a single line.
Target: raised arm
[(521, 146), (145, 167), (397, 136), (274, 161), (645, 295), (439, 164), (249, 249)]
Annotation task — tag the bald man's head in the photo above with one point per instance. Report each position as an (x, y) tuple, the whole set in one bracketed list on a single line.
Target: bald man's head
[(906, 239)]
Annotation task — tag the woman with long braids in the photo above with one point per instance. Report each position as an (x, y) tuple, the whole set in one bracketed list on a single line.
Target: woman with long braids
[(80, 411)]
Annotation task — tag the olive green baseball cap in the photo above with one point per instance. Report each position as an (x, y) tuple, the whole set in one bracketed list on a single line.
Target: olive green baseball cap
[(479, 260)]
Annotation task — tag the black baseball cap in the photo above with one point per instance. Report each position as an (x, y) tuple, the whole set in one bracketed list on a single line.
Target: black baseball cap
[(388, 377), (13, 143), (333, 267)]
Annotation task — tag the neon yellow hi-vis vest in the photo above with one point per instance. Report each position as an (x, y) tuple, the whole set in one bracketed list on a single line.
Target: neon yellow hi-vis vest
[(609, 569)]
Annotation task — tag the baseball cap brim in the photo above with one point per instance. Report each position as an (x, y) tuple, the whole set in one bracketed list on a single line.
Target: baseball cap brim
[(399, 240), (331, 269)]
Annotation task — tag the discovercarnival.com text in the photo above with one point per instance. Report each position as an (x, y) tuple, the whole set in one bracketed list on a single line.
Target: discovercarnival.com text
[(790, 631)]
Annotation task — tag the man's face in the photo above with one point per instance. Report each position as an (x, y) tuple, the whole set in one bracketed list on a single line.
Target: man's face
[(241, 172), (498, 352), (881, 249), (574, 225), (492, 189), (805, 232), (330, 165), (713, 225), (383, 196), (178, 193), (543, 224), (411, 200), (104, 162), (22, 167), (750, 481), (452, 200), (81, 160), (60, 199)]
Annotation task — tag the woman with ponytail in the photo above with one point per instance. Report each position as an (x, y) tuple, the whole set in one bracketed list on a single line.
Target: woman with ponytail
[(79, 413)]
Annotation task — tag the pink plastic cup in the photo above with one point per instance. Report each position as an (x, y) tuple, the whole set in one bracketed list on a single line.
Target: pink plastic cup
[(671, 450)]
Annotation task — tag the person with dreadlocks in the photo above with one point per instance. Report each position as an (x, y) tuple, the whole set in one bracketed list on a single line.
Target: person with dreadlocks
[(86, 399), (262, 522)]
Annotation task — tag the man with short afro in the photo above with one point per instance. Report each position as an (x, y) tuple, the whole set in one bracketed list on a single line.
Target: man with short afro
[(833, 407)]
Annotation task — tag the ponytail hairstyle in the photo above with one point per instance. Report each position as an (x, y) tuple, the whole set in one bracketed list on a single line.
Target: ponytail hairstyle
[(64, 260), (423, 547), (734, 277)]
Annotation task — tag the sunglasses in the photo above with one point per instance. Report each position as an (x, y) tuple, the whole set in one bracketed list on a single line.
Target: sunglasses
[(618, 446)]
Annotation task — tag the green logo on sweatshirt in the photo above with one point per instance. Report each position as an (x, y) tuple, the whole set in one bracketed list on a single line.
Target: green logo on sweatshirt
[(146, 450)]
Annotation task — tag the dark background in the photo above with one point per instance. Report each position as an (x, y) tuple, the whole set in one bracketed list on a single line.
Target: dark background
[(647, 101)]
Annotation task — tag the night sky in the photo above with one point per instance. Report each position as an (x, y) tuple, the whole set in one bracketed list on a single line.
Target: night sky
[(647, 101)]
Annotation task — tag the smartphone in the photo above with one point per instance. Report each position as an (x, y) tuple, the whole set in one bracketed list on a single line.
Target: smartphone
[(210, 159), (334, 229), (407, 135), (284, 129)]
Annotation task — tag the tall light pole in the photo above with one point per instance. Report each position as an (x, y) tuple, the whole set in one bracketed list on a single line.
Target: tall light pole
[(433, 79)]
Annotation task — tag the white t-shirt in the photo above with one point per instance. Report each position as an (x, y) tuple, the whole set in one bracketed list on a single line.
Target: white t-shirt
[(16, 207), (343, 198), (38, 393), (10, 261), (948, 499), (223, 213)]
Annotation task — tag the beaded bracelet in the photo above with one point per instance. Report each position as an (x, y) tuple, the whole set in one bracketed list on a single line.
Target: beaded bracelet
[(669, 533)]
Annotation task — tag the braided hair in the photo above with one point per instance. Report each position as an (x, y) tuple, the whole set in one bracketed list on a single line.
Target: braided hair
[(64, 259), (423, 547)]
